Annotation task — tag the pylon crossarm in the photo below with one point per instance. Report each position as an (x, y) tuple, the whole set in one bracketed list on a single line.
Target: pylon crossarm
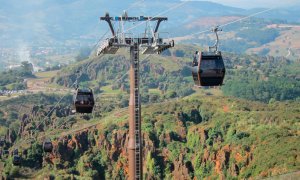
[(133, 19)]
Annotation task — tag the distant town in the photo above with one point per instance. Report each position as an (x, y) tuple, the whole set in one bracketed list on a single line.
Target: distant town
[(15, 92), (40, 57)]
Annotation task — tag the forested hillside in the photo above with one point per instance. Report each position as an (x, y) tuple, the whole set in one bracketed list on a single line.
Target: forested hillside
[(15, 79), (259, 78), (246, 129), (263, 79), (201, 136)]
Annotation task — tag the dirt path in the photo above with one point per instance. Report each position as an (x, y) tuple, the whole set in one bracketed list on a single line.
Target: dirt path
[(42, 83)]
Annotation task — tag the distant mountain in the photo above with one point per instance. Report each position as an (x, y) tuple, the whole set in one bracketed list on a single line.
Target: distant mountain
[(290, 14), (48, 23)]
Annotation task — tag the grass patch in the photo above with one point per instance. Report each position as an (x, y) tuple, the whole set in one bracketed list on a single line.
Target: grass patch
[(108, 89), (47, 74), (155, 91)]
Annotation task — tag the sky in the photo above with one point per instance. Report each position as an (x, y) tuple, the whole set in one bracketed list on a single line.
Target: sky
[(247, 4)]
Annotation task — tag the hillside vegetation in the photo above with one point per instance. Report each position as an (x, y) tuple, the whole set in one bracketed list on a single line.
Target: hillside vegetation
[(259, 78), (189, 133), (14, 79), (286, 44), (200, 136), (271, 37)]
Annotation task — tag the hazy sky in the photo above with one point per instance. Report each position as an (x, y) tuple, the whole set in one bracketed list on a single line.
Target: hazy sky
[(257, 3), (247, 4)]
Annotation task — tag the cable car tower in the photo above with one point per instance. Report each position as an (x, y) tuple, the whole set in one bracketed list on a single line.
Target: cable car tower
[(148, 43)]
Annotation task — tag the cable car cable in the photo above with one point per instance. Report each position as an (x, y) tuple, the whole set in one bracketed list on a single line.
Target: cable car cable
[(56, 105), (163, 12), (77, 77), (232, 22), (134, 4), (170, 9), (159, 14), (60, 101), (130, 7)]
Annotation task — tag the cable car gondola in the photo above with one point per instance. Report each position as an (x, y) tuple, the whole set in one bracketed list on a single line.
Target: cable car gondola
[(208, 68), (2, 142), (47, 146), (5, 153), (84, 101), (16, 158)]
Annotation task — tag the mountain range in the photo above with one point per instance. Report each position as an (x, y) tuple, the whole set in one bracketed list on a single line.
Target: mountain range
[(52, 23)]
